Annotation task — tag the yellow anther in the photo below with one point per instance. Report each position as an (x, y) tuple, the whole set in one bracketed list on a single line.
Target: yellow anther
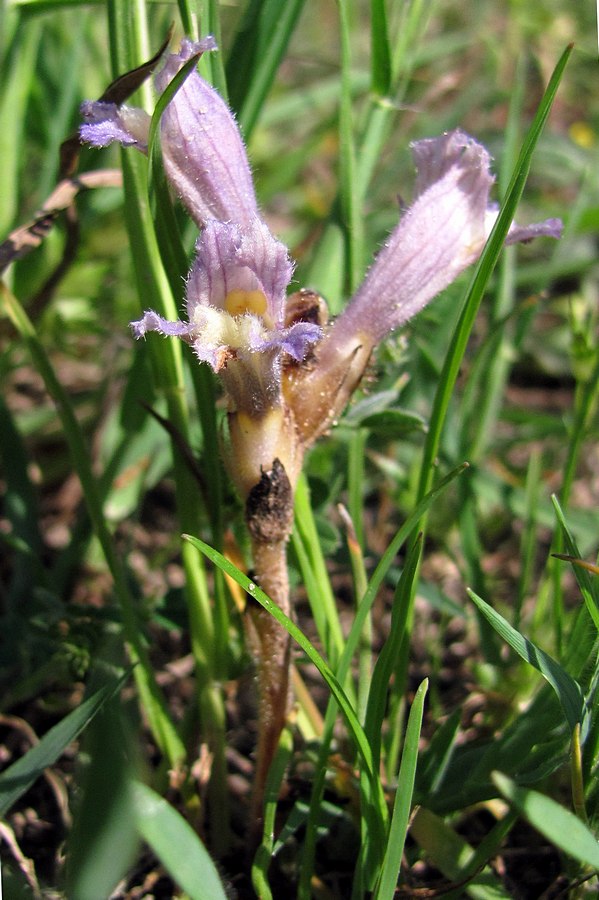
[(239, 302)]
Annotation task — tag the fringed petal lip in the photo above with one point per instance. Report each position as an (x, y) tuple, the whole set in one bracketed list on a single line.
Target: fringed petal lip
[(235, 300)]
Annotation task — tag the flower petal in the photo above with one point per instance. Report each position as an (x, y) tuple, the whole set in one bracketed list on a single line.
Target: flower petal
[(549, 228), (151, 321), (442, 233), (204, 155), (107, 122), (245, 259)]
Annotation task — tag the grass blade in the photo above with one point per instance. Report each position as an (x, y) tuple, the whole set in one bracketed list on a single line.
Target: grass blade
[(589, 587), (403, 799), (567, 689), (386, 663), (556, 823), (273, 788), (19, 777), (162, 726), (381, 53), (259, 46), (480, 278), (337, 691), (176, 845)]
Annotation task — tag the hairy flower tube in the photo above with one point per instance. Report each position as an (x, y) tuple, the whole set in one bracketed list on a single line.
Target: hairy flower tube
[(202, 149), (288, 373), (441, 234)]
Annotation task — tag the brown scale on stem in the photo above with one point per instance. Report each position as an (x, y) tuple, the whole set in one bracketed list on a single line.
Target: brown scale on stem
[(269, 517)]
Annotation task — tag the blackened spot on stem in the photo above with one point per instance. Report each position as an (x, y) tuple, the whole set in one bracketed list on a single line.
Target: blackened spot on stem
[(269, 506)]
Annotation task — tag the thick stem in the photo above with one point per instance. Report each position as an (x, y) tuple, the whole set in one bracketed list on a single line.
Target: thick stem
[(272, 649), (269, 517)]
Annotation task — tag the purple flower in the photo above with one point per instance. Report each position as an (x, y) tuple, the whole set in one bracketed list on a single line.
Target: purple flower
[(236, 290), (441, 234), (203, 152), (236, 309)]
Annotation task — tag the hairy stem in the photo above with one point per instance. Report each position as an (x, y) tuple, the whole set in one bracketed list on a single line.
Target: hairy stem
[(272, 650), (269, 517)]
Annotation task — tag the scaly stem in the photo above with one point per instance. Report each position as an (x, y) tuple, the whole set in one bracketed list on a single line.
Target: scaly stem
[(272, 650)]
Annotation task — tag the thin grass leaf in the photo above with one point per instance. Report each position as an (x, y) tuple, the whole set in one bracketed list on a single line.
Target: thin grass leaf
[(259, 46), (556, 823), (176, 845), (454, 857), (380, 49), (589, 587), (402, 805), (412, 22), (272, 792), (337, 691), (19, 777), (350, 198), (360, 583), (151, 696), (125, 27), (480, 278), (342, 672), (389, 655), (435, 760), (567, 689), (314, 572)]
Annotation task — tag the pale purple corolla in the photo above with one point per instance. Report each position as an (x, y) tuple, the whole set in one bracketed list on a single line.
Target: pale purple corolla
[(202, 149), (286, 371), (236, 290)]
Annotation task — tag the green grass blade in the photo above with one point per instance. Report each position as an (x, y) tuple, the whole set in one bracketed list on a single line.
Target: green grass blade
[(350, 198), (19, 777), (155, 292), (380, 49), (162, 726), (567, 689), (403, 799), (480, 278), (389, 655), (343, 669), (258, 49), (456, 859), (335, 687), (556, 823), (589, 587), (176, 845), (273, 789), (306, 545)]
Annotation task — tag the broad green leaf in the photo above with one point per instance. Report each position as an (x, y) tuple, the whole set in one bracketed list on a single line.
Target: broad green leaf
[(567, 689), (176, 845), (554, 821), (19, 777)]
